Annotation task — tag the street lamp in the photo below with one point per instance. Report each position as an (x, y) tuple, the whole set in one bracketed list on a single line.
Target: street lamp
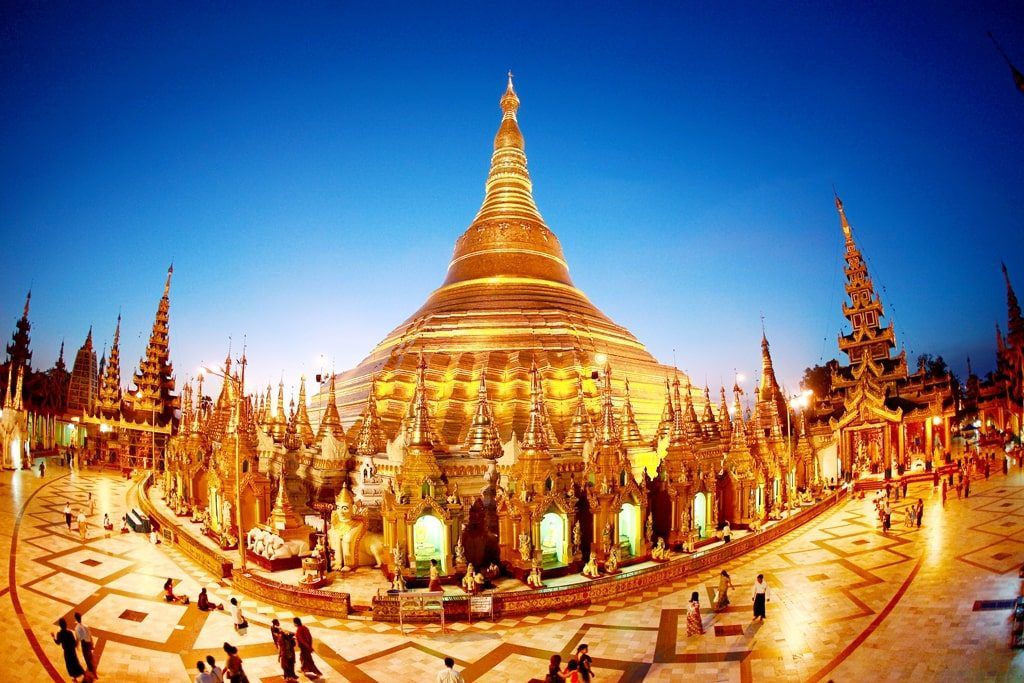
[(235, 408)]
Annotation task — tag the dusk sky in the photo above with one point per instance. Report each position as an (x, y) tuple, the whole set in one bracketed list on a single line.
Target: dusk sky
[(308, 170)]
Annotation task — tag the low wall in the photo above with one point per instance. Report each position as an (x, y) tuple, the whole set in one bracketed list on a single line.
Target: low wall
[(385, 608), (299, 600)]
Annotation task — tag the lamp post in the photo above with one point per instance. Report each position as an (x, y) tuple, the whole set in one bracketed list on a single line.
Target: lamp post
[(236, 409)]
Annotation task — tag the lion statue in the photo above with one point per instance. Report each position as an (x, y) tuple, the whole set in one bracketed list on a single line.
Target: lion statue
[(353, 545)]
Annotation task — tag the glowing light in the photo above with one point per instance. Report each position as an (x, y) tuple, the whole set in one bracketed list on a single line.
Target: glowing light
[(936, 420), (740, 377), (601, 359)]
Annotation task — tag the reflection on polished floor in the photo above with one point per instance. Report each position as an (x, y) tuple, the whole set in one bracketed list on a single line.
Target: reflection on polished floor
[(848, 603)]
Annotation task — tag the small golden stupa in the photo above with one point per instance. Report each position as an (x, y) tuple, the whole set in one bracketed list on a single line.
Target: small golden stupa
[(506, 303)]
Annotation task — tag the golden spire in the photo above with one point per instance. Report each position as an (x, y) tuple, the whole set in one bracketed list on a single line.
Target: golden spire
[(303, 429), (739, 431), (267, 423), (724, 425), (609, 428), (768, 385), (843, 223), (197, 414), (668, 415), (508, 235), (331, 420), (279, 428), (582, 428), (283, 516), (109, 400), (690, 422), (535, 438), (629, 432), (482, 438), (421, 429), (371, 438), (677, 436), (710, 425)]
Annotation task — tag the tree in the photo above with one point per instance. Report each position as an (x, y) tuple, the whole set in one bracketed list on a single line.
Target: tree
[(819, 378), (933, 366)]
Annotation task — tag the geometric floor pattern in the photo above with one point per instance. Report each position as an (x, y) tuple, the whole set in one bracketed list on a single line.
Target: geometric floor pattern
[(849, 603)]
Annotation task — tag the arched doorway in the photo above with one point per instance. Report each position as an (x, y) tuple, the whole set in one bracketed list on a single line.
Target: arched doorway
[(553, 533), (629, 529), (428, 540), (700, 514)]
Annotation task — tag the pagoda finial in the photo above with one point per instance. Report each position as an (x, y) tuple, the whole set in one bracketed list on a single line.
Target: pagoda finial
[(535, 437), (331, 420), (371, 437), (302, 427), (629, 432), (421, 430), (482, 438), (28, 300), (609, 429), (581, 429), (167, 284), (509, 107), (843, 222)]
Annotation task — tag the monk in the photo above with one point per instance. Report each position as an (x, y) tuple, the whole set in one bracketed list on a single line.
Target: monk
[(304, 639)]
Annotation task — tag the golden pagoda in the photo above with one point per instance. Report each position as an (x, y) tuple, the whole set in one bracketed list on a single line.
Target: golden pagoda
[(507, 302)]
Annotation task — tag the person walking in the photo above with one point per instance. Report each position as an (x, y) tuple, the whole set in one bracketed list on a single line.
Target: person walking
[(904, 488), (694, 624), (203, 676), (233, 667), (83, 525), (555, 673), (726, 533), (42, 468), (275, 632), (286, 656), (304, 639), (92, 504), (84, 637), (215, 671), (66, 640), (722, 598), (944, 492), (761, 596), (448, 674), (237, 617), (586, 662), (67, 515), (919, 513)]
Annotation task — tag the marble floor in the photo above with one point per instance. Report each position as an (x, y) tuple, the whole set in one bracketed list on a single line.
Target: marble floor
[(849, 603)]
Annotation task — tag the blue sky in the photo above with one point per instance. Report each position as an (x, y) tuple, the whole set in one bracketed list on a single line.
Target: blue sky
[(308, 170)]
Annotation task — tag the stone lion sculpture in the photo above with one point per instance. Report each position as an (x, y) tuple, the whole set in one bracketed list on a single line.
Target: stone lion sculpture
[(353, 545)]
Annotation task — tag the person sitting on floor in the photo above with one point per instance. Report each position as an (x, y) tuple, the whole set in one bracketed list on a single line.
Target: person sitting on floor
[(204, 602), (169, 595)]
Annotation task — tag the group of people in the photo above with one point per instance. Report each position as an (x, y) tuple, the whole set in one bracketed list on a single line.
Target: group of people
[(759, 596), (286, 641), (579, 668), (232, 672), (81, 516), (70, 640), (912, 513)]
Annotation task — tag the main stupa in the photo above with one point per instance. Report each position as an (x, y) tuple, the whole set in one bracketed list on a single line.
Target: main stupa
[(506, 303)]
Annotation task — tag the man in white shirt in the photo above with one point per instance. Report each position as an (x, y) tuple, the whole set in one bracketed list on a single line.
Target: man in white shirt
[(448, 674), (85, 639), (203, 676), (760, 597)]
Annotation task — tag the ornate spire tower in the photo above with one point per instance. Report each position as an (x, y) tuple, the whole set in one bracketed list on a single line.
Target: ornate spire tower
[(870, 337), (371, 438), (154, 380), (18, 352), (482, 439), (304, 431), (84, 386), (331, 422), (109, 402)]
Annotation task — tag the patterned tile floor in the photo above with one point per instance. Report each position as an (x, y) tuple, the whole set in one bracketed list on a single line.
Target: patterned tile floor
[(849, 603)]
